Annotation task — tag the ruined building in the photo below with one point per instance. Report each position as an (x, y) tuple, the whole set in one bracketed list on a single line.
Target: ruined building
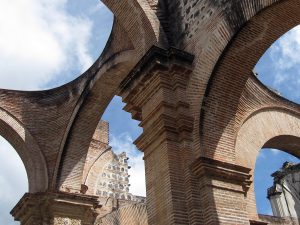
[(184, 70), (284, 195), (106, 173), (106, 176)]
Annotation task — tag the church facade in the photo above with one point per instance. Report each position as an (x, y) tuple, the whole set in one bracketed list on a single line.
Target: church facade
[(284, 195)]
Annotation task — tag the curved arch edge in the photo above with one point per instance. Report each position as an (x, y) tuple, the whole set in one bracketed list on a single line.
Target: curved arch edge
[(27, 148)]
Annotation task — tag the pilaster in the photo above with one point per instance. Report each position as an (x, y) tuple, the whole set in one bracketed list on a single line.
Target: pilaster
[(155, 94), (60, 208), (223, 187)]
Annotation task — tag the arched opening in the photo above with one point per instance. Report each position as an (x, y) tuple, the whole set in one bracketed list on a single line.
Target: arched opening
[(13, 181), (132, 36), (271, 129), (230, 88), (123, 131), (112, 155), (114, 168), (28, 155), (278, 68), (268, 162), (45, 45)]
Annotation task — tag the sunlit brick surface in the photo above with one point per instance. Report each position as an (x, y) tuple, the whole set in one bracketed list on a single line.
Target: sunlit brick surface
[(203, 113)]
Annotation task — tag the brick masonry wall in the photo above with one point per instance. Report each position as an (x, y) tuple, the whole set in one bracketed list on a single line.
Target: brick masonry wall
[(135, 214), (142, 32), (102, 132), (227, 37), (230, 76), (271, 122)]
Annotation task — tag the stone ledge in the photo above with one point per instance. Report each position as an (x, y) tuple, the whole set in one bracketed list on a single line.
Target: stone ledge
[(49, 204), (223, 171), (158, 57)]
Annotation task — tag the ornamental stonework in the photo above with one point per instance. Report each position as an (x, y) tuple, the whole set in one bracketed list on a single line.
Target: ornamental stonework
[(66, 221)]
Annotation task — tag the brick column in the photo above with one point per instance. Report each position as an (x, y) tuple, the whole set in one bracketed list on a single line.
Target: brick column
[(56, 209), (155, 94), (223, 189)]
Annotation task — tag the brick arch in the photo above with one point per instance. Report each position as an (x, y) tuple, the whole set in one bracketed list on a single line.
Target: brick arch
[(31, 155), (92, 177), (231, 73), (267, 128), (139, 21), (90, 107), (134, 33), (211, 33)]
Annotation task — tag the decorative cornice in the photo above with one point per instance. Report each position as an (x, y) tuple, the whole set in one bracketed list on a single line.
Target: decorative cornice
[(222, 171), (41, 201), (157, 57)]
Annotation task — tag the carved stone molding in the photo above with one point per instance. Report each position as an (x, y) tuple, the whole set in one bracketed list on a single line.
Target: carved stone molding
[(56, 208), (66, 221), (158, 58), (222, 171)]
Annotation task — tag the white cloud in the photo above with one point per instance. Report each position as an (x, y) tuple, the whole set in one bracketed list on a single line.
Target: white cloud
[(288, 47), (40, 40), (96, 9), (124, 143), (285, 56), (40, 43)]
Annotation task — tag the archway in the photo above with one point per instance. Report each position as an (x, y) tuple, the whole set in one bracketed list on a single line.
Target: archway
[(231, 87), (268, 162), (278, 67), (123, 131), (13, 181), (268, 128), (30, 155), (112, 156), (34, 161), (103, 81), (114, 169)]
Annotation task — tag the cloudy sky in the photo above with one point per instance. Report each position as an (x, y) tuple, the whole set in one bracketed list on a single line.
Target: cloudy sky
[(279, 69), (45, 44)]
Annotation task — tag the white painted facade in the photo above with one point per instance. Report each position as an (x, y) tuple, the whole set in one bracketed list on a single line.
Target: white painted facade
[(284, 195)]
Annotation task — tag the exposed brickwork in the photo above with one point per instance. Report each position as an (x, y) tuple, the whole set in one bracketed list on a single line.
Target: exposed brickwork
[(132, 214), (210, 108), (230, 76)]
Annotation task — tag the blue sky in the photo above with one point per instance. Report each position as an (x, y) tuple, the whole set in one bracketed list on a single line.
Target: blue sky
[(45, 44), (278, 68)]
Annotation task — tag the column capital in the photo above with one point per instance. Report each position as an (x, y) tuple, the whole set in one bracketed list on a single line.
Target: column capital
[(223, 171), (54, 207), (159, 73), (158, 58)]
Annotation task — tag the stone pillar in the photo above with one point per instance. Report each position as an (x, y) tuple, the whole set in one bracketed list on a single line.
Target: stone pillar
[(155, 94), (223, 189), (56, 209)]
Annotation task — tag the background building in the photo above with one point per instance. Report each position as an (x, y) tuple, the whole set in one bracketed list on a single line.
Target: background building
[(106, 174), (284, 195)]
